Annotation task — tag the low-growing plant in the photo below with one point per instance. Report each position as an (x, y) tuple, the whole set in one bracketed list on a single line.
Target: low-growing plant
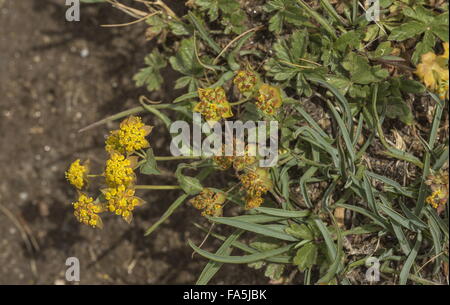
[(363, 143)]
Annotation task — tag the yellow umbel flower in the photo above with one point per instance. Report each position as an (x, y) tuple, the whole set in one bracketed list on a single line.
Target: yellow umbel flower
[(223, 162), (433, 71), (119, 170), (246, 81), (213, 104), (436, 199), (253, 202), (121, 201), (130, 137), (85, 211), (248, 159), (269, 99), (77, 174), (439, 185), (256, 182), (209, 201)]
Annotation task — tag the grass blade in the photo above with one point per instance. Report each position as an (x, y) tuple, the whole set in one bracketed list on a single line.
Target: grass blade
[(212, 267), (404, 274), (283, 213), (244, 259), (253, 227), (167, 214), (203, 32)]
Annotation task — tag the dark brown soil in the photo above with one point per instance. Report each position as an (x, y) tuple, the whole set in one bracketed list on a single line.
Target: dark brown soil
[(55, 78)]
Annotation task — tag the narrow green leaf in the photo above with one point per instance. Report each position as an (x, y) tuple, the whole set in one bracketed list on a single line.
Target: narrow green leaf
[(283, 213), (167, 214), (244, 259), (213, 267), (252, 227), (203, 32), (404, 274)]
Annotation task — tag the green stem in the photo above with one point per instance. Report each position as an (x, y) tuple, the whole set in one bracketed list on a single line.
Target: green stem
[(318, 17), (241, 101), (327, 6), (135, 110), (354, 11), (285, 160), (157, 187), (142, 155)]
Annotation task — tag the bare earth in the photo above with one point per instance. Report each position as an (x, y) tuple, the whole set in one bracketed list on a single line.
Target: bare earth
[(55, 78)]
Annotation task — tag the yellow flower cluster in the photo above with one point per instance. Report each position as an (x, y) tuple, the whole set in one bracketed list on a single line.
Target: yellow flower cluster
[(239, 163), (119, 170), (77, 174), (223, 162), (439, 185), (269, 99), (253, 202), (433, 71), (437, 198), (213, 104), (121, 201), (246, 81), (209, 201), (130, 136), (119, 175), (256, 183), (120, 178), (85, 211)]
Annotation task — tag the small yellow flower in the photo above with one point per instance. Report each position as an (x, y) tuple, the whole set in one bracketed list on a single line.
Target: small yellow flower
[(77, 174), (121, 201), (253, 202), (435, 199), (269, 99), (246, 81), (439, 185), (213, 104), (445, 46), (130, 136), (209, 201), (119, 170), (433, 71), (248, 159), (223, 162), (85, 211), (256, 182)]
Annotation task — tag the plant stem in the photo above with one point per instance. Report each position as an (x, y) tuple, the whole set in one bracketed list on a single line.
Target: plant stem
[(140, 154), (93, 176), (157, 187), (241, 101), (324, 23)]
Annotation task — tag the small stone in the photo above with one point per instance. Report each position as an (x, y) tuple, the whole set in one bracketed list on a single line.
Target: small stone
[(84, 53), (23, 196)]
